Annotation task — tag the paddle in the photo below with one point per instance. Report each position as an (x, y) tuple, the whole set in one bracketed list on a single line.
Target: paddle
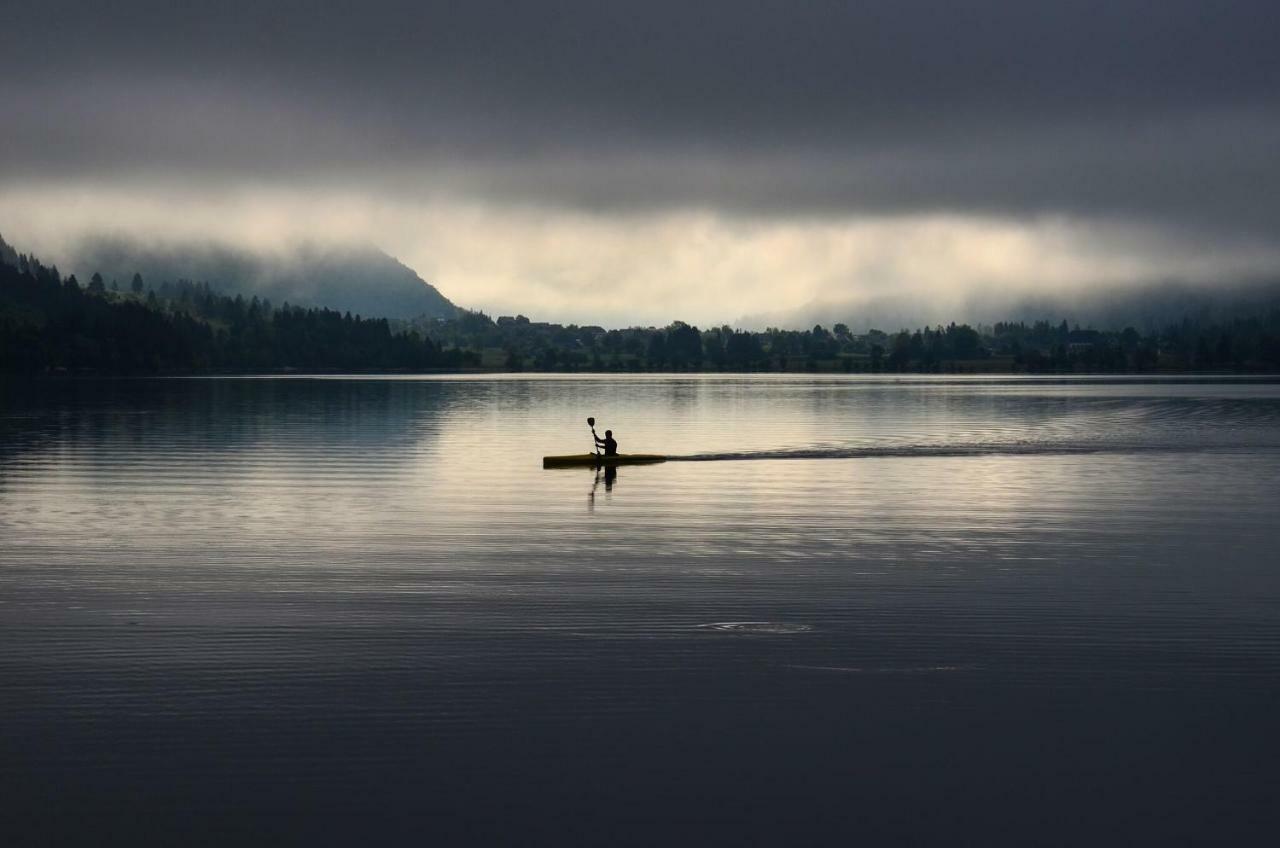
[(595, 448)]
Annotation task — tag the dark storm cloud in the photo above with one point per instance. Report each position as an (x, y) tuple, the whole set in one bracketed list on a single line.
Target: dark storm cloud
[(1135, 109)]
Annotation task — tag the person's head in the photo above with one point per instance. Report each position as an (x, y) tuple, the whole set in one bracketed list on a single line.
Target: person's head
[(608, 434)]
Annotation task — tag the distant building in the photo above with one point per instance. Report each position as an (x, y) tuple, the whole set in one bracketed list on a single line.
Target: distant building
[(1079, 341)]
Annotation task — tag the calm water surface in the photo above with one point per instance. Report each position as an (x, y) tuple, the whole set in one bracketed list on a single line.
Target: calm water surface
[(856, 610)]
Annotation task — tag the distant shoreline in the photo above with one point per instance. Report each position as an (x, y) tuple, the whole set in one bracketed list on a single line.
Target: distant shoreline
[(482, 372), (52, 325)]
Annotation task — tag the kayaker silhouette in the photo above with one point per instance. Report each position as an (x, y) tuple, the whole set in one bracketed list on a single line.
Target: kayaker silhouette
[(604, 452), (608, 443)]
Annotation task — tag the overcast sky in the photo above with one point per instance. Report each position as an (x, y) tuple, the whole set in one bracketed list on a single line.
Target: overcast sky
[(638, 162)]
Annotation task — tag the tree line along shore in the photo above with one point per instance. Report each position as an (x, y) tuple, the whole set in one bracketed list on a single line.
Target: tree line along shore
[(55, 324)]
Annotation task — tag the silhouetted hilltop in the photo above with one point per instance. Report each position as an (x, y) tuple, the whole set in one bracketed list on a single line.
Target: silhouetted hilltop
[(360, 280), (55, 324), (8, 256)]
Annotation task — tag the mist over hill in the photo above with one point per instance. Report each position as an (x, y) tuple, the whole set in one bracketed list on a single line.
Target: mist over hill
[(8, 255), (361, 280), (54, 324), (1145, 308)]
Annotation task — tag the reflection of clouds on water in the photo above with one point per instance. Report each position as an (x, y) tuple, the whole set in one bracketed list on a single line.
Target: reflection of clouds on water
[(452, 462), (380, 569), (263, 457)]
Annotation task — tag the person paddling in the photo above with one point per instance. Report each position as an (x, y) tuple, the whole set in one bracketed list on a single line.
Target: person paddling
[(610, 446), (608, 443), (609, 456)]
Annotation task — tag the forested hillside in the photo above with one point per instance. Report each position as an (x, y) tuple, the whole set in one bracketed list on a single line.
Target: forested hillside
[(360, 280), (49, 323)]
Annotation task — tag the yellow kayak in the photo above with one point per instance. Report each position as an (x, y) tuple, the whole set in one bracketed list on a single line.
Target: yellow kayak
[(595, 460)]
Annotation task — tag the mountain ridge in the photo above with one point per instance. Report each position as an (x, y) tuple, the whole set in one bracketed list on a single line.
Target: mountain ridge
[(363, 279)]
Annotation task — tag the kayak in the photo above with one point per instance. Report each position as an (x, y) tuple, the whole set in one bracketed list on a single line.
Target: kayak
[(596, 460)]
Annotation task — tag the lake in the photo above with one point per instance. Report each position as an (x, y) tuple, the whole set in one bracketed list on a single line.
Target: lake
[(850, 610)]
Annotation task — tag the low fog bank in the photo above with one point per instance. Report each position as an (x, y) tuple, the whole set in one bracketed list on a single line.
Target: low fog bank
[(1146, 308), (356, 278), (701, 268), (618, 164)]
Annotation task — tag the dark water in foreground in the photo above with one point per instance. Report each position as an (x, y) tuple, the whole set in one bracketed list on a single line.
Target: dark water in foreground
[(942, 611)]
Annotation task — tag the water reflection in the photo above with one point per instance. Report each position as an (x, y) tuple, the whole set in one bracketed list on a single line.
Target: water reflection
[(247, 597), (609, 474)]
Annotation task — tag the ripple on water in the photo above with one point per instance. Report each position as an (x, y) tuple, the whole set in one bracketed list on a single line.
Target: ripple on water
[(771, 628)]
